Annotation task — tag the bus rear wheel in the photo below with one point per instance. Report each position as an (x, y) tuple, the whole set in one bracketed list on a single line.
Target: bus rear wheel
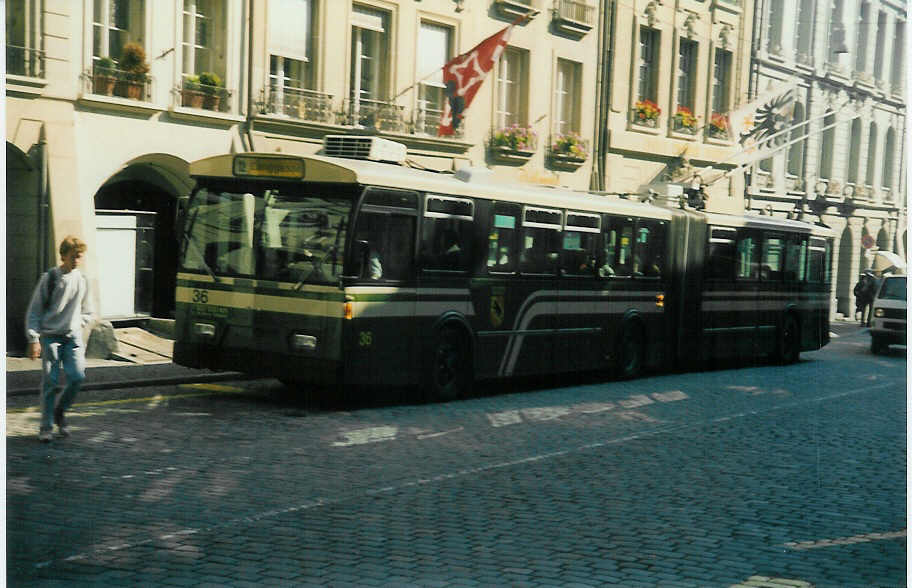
[(789, 340), (630, 352), (450, 370)]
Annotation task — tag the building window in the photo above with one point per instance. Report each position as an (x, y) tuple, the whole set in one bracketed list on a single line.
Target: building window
[(511, 89), (879, 44), (899, 40), (647, 82), (861, 38), (826, 146), (567, 97), (721, 81), (837, 30), (23, 44), (203, 42), (434, 51), (774, 31), (291, 60), (796, 150), (114, 24), (805, 31), (687, 65), (369, 56), (889, 145), (854, 152), (872, 154)]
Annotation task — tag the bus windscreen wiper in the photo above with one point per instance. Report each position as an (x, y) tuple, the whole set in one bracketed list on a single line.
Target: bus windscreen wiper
[(188, 240)]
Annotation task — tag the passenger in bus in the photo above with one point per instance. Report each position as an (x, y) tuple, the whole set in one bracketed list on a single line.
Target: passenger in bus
[(606, 270), (374, 267)]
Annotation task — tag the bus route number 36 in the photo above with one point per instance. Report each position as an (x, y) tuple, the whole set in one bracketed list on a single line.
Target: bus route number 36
[(201, 296), (365, 338)]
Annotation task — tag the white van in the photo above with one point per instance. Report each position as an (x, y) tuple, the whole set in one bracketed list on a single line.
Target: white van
[(889, 308)]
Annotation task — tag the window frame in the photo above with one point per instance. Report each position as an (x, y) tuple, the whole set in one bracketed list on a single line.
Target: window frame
[(512, 93)]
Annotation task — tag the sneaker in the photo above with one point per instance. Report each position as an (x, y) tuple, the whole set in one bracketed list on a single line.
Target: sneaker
[(45, 436), (61, 423)]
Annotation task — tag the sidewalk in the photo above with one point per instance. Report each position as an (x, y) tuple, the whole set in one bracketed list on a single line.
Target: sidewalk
[(136, 346)]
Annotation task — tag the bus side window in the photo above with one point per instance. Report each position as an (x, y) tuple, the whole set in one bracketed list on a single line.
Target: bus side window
[(502, 255), (541, 233), (818, 260), (447, 232), (617, 247), (748, 266), (796, 259), (390, 238), (650, 246), (771, 264), (580, 244)]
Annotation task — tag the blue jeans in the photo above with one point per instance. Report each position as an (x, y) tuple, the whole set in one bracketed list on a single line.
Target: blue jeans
[(56, 350)]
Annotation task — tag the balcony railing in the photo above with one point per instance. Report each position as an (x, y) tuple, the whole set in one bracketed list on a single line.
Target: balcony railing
[(383, 116), (202, 96), (105, 81), (301, 104), (427, 122), (22, 61), (576, 11)]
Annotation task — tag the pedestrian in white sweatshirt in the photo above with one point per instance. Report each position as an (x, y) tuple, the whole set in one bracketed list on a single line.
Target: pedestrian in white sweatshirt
[(59, 310)]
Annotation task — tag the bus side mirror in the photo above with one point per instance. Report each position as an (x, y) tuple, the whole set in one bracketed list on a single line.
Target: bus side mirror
[(362, 255)]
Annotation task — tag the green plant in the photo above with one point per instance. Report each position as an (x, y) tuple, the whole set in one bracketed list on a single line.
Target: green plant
[(104, 63), (514, 137), (192, 83), (133, 62), (570, 144), (210, 82)]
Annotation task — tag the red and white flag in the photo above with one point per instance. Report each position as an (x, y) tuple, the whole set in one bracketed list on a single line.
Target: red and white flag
[(464, 74)]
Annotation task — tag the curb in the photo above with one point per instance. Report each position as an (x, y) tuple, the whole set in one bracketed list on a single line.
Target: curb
[(163, 381)]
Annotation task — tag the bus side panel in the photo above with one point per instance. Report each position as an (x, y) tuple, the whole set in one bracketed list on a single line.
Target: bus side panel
[(582, 320), (684, 317), (380, 341)]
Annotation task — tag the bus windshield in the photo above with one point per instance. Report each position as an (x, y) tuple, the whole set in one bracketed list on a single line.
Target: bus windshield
[(274, 233)]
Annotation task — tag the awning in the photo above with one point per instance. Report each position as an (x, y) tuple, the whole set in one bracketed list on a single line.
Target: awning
[(887, 261)]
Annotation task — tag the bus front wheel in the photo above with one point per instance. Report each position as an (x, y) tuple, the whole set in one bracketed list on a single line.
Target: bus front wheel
[(789, 340), (631, 348), (450, 370)]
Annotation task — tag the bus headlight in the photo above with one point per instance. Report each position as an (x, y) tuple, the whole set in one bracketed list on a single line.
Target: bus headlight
[(303, 342), (878, 312), (204, 329)]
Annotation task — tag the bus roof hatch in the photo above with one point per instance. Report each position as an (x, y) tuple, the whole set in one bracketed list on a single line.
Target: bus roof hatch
[(364, 147)]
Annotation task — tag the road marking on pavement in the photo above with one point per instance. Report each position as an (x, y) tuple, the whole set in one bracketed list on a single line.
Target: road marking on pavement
[(368, 435), (767, 582), (547, 413), (319, 502), (866, 538), (441, 433)]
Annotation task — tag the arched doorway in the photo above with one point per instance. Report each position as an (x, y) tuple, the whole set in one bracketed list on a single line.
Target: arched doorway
[(844, 277), (135, 212), (26, 232)]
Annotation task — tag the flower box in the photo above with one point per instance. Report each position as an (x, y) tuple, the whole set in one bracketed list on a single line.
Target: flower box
[(646, 113), (513, 144), (718, 126), (568, 151), (684, 120)]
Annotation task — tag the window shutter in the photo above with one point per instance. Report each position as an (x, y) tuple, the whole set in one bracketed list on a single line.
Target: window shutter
[(433, 47), (289, 28), (366, 18)]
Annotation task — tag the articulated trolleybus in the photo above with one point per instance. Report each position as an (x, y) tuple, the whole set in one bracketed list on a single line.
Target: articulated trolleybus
[(354, 268)]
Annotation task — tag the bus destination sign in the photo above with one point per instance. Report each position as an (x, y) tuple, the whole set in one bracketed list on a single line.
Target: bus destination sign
[(268, 167)]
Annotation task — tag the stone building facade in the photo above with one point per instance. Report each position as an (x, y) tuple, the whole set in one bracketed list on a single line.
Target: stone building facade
[(670, 70), (102, 152), (849, 62)]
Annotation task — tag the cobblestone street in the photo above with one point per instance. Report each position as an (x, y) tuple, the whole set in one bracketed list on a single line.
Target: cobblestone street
[(735, 476)]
